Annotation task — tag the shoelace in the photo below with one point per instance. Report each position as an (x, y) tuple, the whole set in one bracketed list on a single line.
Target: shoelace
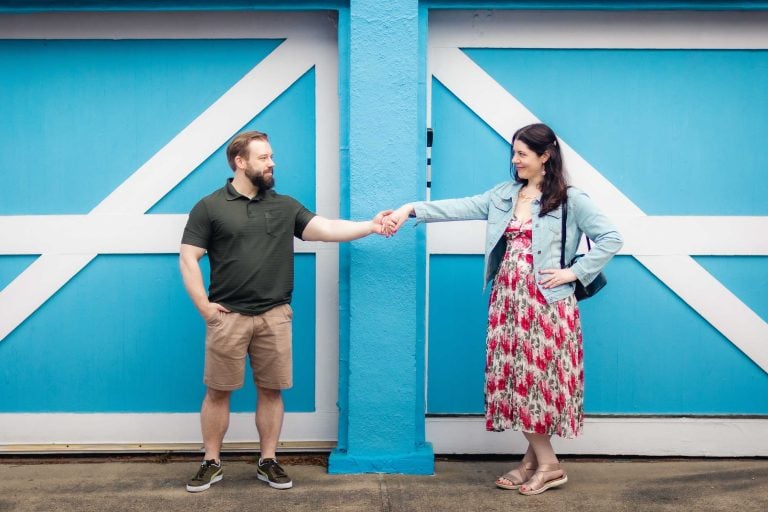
[(274, 466), (203, 468)]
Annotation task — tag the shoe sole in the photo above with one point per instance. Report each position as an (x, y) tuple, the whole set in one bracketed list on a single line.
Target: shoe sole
[(548, 485), (506, 487), (274, 485), (205, 487)]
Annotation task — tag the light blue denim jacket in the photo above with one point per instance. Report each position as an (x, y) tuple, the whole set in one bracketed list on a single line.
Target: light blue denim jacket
[(497, 207)]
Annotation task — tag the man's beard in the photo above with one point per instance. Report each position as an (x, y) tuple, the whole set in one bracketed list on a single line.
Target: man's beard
[(260, 181)]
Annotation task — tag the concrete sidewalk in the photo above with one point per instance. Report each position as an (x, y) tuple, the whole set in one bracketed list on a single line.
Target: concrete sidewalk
[(458, 485)]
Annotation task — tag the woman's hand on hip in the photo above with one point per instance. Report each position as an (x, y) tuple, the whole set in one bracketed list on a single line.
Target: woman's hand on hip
[(551, 277)]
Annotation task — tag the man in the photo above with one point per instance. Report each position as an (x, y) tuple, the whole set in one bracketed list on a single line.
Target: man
[(247, 230)]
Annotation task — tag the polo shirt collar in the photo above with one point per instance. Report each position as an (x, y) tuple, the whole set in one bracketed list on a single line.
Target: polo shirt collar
[(231, 194)]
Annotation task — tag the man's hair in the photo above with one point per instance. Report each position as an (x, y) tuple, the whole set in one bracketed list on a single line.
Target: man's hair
[(239, 145)]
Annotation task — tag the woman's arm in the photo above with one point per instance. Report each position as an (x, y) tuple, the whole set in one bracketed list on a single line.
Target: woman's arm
[(607, 239), (464, 208)]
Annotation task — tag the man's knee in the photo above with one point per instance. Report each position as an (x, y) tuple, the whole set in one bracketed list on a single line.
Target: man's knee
[(217, 395), (269, 394)]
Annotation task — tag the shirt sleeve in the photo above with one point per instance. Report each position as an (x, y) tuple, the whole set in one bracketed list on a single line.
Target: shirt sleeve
[(197, 232), (303, 216)]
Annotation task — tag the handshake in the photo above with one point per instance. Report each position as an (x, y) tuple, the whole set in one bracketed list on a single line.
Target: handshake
[(387, 222)]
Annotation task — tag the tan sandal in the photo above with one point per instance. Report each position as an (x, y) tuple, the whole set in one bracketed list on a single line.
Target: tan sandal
[(540, 482), (516, 477)]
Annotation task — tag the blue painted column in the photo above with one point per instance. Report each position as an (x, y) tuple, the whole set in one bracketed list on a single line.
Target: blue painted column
[(381, 382)]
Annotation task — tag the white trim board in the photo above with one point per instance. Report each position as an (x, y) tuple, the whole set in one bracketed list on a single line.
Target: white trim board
[(171, 25), (643, 236), (598, 29), (151, 428), (654, 436)]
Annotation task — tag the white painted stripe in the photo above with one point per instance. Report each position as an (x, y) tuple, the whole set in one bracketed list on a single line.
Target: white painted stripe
[(599, 29), (100, 233), (649, 236), (132, 428), (327, 200), (171, 25), (654, 436), (163, 171), (504, 113)]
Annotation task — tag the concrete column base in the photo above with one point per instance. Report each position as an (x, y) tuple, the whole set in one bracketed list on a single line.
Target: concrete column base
[(421, 461)]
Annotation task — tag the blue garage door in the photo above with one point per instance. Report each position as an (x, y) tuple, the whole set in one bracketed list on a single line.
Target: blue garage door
[(676, 133), (86, 118)]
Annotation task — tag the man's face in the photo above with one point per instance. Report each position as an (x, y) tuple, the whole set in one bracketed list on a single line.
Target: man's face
[(259, 166)]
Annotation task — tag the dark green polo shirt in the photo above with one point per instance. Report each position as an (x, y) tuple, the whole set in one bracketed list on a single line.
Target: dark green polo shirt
[(250, 246)]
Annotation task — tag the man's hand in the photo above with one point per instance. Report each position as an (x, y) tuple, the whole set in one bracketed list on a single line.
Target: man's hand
[(377, 223), (210, 310)]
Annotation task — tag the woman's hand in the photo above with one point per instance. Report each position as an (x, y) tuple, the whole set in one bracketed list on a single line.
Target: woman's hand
[(552, 277), (397, 218)]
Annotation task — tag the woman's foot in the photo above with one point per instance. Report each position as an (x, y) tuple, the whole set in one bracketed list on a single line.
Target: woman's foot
[(546, 477), (512, 480)]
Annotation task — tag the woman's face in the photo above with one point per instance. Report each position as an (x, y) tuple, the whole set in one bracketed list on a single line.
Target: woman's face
[(528, 164)]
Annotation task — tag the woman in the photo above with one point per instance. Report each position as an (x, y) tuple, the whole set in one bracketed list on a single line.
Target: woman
[(534, 372)]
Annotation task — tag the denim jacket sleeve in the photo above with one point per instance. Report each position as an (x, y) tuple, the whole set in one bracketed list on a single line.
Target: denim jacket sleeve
[(584, 216), (464, 208)]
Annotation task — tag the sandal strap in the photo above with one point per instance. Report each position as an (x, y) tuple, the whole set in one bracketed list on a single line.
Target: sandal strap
[(519, 475), (549, 467), (539, 479)]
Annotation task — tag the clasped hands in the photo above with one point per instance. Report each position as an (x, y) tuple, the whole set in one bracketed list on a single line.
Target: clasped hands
[(387, 222)]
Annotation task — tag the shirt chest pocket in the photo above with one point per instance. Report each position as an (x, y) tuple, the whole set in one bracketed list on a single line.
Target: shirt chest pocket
[(275, 222)]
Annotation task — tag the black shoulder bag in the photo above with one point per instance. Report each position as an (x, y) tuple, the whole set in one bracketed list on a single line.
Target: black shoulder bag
[(582, 292)]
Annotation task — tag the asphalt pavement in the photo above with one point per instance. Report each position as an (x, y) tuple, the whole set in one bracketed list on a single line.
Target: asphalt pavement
[(157, 483)]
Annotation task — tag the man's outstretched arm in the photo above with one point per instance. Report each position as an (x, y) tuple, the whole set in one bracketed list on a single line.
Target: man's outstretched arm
[(321, 229)]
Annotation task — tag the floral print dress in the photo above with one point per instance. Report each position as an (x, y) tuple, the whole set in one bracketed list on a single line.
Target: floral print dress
[(534, 379)]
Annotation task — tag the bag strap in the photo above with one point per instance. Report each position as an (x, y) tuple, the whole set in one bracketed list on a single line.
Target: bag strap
[(564, 216)]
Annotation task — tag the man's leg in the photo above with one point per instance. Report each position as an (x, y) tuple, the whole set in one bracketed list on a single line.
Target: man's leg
[(214, 421), (269, 420)]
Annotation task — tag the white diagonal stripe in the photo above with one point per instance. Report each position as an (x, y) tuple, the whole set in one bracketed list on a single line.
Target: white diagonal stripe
[(699, 289), (163, 171)]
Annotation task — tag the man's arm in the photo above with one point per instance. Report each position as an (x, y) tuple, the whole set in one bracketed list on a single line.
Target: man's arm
[(320, 229), (189, 263)]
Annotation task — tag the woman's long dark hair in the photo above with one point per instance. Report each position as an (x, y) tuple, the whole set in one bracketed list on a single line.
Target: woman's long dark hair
[(540, 139)]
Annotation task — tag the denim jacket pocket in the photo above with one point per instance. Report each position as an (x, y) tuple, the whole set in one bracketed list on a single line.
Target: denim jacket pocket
[(501, 204), (554, 221)]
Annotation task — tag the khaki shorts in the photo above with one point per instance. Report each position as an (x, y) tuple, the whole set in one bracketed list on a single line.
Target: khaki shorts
[(265, 338)]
